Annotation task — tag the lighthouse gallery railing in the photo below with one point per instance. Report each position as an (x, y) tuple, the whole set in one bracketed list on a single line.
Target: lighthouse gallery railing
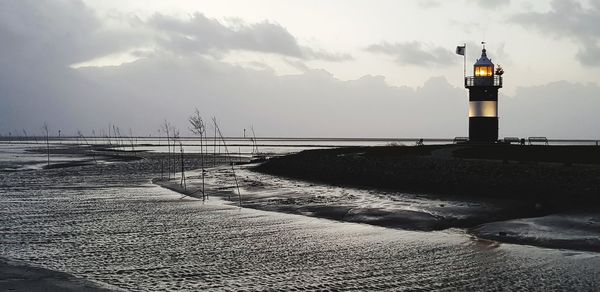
[(471, 81)]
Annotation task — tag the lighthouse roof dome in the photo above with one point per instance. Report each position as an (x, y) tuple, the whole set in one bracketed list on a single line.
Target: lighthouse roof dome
[(484, 60)]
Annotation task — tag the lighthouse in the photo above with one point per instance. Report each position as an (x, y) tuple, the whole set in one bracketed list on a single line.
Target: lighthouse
[(483, 100)]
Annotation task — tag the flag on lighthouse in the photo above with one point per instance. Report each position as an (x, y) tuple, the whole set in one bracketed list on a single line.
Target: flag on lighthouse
[(461, 50)]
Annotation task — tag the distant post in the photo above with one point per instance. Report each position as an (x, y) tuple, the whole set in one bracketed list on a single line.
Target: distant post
[(45, 128)]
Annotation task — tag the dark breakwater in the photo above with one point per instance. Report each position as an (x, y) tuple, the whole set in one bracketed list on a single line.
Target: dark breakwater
[(547, 176)]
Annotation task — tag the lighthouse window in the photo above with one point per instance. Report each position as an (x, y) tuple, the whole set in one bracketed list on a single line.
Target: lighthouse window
[(486, 108), (484, 71)]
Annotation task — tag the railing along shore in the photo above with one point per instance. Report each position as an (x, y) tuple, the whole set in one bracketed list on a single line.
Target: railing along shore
[(262, 141)]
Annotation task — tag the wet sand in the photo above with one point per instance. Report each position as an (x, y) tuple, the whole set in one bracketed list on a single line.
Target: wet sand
[(109, 223), (385, 208), (486, 218), (579, 231), (16, 276), (521, 194)]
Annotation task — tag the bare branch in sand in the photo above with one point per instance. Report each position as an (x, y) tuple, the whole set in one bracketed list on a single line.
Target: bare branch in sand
[(228, 158), (45, 128), (199, 128)]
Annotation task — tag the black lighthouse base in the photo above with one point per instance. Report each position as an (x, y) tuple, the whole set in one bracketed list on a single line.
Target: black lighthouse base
[(483, 129)]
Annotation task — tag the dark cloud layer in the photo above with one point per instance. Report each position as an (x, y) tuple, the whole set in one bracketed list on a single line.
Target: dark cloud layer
[(39, 40), (415, 53), (568, 19), (57, 33), (200, 34)]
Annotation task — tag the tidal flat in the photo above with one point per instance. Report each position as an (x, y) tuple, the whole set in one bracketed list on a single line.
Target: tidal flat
[(538, 195), (109, 223)]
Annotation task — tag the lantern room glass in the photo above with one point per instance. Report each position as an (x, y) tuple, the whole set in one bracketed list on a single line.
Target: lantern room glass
[(484, 71)]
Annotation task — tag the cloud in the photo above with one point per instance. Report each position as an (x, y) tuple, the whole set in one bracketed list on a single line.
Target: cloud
[(568, 19), (203, 35), (309, 53), (311, 103), (415, 53), (490, 4), (559, 109), (55, 33), (40, 39), (589, 55), (429, 4), (314, 103), (62, 33)]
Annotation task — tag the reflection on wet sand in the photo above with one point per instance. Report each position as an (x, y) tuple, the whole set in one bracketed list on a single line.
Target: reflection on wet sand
[(108, 223)]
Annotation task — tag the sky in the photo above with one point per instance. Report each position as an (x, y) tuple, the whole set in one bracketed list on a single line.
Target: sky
[(335, 68)]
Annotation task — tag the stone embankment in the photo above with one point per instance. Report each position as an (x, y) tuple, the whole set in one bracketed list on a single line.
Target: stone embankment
[(552, 179)]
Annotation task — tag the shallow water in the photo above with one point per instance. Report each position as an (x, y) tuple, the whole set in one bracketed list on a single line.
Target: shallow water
[(109, 223), (15, 157)]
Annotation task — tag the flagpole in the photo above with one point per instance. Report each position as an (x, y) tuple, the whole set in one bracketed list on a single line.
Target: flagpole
[(465, 63)]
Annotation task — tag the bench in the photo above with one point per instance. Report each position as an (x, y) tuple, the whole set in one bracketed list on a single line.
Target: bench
[(510, 140), (460, 140), (538, 140)]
